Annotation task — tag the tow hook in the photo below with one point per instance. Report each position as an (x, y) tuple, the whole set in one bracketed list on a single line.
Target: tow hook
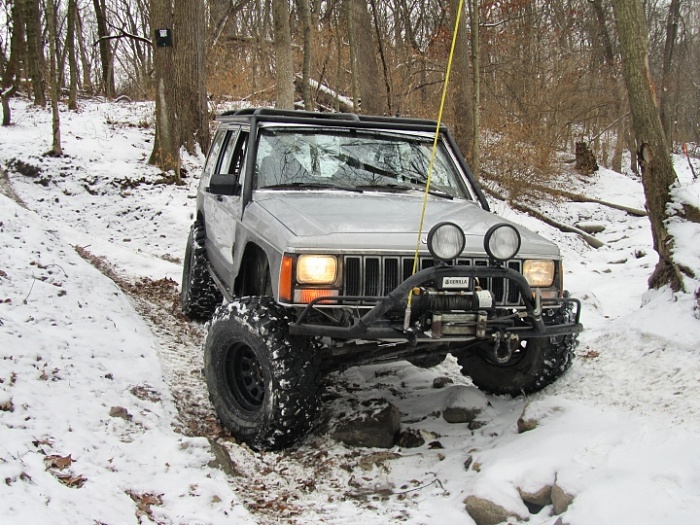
[(537, 311), (503, 346)]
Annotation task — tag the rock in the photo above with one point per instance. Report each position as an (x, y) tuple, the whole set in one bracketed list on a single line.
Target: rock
[(442, 382), (121, 412), (485, 512), (411, 438), (468, 462), (463, 404), (541, 497), (560, 499), (222, 459), (460, 414), (377, 427)]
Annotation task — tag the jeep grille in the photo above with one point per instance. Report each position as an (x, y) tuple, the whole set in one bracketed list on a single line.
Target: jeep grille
[(376, 276)]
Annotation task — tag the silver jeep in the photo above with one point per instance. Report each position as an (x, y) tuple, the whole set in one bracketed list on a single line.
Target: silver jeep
[(323, 241)]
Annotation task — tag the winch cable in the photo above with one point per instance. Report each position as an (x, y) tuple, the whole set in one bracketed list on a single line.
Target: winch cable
[(433, 153)]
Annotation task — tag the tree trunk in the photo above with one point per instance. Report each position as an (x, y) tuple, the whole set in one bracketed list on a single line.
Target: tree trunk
[(166, 147), (56, 149), (84, 59), (652, 150), (305, 14), (190, 74), (371, 94), (382, 57), (72, 61), (105, 48), (284, 64), (354, 80), (476, 87), (667, 79), (11, 69), (35, 57), (459, 96)]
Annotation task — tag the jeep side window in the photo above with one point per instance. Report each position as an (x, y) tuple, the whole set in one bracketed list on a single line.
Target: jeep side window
[(226, 179), (239, 154), (213, 156)]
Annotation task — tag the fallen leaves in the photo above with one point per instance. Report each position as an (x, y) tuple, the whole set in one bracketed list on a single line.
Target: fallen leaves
[(58, 462), (144, 502), (57, 465), (7, 406)]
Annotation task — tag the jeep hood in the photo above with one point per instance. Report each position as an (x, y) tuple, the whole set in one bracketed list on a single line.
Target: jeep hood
[(376, 221)]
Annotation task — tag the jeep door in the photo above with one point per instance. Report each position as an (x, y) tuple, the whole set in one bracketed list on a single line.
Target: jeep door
[(222, 204)]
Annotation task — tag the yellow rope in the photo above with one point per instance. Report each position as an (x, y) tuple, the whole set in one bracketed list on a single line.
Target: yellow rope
[(435, 142)]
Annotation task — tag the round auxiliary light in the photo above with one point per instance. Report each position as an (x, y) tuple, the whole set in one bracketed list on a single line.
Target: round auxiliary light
[(502, 242), (446, 241)]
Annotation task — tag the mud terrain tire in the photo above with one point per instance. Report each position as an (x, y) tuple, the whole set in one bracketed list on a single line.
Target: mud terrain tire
[(537, 363), (199, 296), (263, 383)]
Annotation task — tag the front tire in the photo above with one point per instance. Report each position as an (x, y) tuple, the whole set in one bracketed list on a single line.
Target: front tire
[(535, 364), (199, 295), (263, 383)]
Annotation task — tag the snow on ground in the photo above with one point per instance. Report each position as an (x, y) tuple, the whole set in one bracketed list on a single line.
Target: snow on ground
[(90, 432)]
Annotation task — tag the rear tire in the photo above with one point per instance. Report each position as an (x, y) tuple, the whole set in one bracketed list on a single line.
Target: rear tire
[(199, 295), (263, 383)]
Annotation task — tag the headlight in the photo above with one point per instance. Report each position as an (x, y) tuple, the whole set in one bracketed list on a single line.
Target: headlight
[(539, 273), (446, 241), (317, 269), (502, 242)]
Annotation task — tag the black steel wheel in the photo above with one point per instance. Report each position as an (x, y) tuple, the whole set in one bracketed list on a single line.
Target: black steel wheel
[(263, 383), (199, 295)]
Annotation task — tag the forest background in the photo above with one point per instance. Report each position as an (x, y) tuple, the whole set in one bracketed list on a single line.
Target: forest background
[(530, 78)]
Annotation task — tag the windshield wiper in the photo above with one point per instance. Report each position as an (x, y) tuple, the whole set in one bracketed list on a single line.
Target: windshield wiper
[(439, 193), (384, 187), (310, 185)]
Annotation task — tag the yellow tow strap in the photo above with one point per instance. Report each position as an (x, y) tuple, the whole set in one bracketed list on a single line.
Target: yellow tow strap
[(433, 153)]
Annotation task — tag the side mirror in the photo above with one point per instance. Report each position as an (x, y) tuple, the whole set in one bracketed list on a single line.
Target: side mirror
[(224, 184)]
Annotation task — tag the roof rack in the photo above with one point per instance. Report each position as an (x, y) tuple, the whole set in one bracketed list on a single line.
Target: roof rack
[(332, 119)]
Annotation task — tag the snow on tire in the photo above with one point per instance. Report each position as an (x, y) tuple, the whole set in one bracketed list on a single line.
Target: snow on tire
[(199, 296), (263, 383)]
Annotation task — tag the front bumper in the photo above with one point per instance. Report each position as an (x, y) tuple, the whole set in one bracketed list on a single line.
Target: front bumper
[(375, 324)]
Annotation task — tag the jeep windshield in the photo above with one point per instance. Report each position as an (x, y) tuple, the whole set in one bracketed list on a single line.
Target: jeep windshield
[(358, 160)]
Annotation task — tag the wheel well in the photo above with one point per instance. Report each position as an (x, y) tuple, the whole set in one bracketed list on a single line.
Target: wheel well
[(254, 274)]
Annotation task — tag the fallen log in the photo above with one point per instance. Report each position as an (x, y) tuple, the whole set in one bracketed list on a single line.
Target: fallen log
[(574, 197), (592, 241)]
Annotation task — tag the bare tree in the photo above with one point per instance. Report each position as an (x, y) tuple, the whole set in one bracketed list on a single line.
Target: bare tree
[(56, 149), (166, 147), (284, 65), (72, 60), (459, 89), (672, 22), (35, 58), (653, 155), (305, 14), (190, 73), (371, 92), (10, 67), (105, 48)]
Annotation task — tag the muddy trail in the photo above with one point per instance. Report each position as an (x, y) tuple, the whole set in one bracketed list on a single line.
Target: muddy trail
[(320, 481)]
